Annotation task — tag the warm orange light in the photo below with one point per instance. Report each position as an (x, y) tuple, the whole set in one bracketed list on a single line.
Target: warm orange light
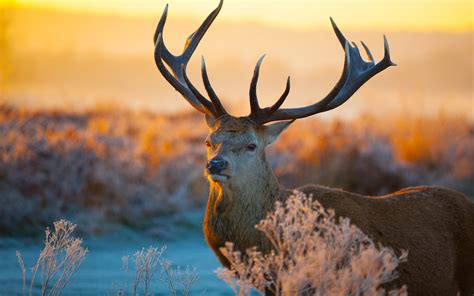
[(404, 14)]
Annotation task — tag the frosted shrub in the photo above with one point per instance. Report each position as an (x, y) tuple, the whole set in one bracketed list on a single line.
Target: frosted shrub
[(63, 254), (147, 262), (313, 255), (178, 279), (58, 261)]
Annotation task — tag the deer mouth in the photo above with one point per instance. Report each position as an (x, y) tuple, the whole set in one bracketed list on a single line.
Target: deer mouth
[(220, 178)]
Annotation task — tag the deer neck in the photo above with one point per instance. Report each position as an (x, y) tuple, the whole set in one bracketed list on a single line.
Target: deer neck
[(234, 210), (260, 191)]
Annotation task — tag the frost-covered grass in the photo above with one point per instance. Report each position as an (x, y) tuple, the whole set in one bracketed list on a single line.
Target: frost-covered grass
[(57, 262), (113, 166), (150, 267)]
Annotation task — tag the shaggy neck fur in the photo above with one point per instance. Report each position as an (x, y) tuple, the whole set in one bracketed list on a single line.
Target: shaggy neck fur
[(234, 209)]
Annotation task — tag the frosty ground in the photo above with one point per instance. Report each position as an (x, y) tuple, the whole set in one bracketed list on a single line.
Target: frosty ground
[(101, 273)]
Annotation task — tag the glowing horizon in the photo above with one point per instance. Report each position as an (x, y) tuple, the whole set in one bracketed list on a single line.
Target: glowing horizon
[(301, 14)]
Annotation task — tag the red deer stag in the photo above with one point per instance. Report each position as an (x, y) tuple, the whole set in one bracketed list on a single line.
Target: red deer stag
[(436, 225)]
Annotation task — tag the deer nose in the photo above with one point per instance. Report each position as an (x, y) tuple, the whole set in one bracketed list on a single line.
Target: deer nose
[(216, 166)]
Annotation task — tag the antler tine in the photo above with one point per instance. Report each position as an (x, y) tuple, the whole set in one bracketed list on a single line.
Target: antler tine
[(177, 64), (254, 106), (195, 38), (210, 91), (367, 51), (355, 73), (282, 98), (340, 36), (159, 31), (195, 92), (386, 48), (258, 114), (169, 58)]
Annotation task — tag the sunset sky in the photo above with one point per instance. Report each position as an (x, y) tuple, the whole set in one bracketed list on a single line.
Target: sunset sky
[(425, 15)]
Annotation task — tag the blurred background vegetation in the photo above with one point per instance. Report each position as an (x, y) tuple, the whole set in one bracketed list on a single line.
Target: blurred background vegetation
[(110, 166)]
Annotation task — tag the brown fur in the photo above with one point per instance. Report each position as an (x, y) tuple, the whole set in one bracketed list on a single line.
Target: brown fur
[(435, 225)]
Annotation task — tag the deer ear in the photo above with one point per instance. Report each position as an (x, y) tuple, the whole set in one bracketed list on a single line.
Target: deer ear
[(274, 130), (211, 122)]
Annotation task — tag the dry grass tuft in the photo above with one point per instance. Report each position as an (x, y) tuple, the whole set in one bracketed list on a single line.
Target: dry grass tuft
[(58, 261), (63, 254), (148, 262)]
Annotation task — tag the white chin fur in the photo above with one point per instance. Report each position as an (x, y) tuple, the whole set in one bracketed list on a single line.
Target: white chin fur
[(219, 178)]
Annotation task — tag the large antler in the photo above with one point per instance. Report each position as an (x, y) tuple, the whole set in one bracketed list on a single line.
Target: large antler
[(177, 65), (356, 72)]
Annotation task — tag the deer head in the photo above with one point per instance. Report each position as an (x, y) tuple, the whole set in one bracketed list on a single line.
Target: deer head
[(236, 145)]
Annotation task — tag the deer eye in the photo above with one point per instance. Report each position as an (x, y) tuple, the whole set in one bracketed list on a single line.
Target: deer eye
[(208, 144), (251, 147)]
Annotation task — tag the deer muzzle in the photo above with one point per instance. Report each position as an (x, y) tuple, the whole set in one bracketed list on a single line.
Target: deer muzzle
[(216, 166)]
